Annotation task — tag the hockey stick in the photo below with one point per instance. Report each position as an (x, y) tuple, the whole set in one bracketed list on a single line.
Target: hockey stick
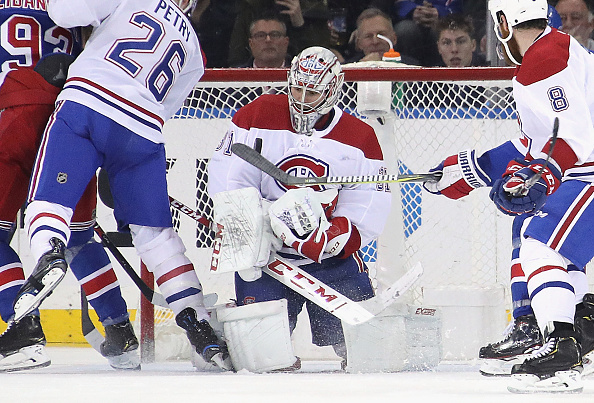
[(254, 158), (391, 294), (523, 190), (316, 291), (323, 295), (154, 297), (90, 332)]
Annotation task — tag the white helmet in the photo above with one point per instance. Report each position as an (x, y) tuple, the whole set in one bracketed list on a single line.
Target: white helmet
[(187, 6), (516, 12), (314, 69)]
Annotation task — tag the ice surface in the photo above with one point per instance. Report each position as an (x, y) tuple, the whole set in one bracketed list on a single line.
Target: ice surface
[(82, 375)]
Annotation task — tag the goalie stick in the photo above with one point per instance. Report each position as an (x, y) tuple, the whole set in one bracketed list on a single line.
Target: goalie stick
[(323, 295), (254, 158)]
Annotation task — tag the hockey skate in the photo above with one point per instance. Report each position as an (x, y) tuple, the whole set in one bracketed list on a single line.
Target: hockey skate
[(203, 338), (22, 345), (46, 276), (554, 368), (521, 337), (584, 325), (121, 346)]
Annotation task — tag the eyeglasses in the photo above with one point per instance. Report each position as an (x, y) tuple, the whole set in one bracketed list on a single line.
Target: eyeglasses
[(261, 35)]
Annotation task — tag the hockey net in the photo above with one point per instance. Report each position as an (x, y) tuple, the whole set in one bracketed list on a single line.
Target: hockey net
[(420, 116)]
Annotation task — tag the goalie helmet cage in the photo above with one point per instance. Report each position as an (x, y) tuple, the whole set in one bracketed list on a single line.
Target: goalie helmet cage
[(421, 115)]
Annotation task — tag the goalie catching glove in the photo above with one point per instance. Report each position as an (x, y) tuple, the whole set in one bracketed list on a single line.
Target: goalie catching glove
[(511, 195), (300, 219), (461, 174)]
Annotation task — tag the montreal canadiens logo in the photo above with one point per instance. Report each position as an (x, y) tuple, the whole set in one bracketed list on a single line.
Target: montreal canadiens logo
[(303, 166)]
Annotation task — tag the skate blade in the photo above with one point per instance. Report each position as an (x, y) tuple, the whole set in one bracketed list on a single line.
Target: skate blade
[(500, 367), (29, 301), (202, 366), (129, 361), (222, 363), (569, 381), (588, 362), (30, 357)]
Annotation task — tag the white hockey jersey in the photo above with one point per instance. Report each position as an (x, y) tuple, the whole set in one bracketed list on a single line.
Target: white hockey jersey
[(138, 66), (556, 79), (347, 146)]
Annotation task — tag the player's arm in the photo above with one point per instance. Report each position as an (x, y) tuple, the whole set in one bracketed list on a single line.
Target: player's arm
[(226, 171), (80, 13), (464, 172)]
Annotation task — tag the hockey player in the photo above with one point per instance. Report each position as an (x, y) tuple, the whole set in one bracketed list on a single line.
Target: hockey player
[(523, 335), (306, 134), (550, 83), (27, 98), (141, 61)]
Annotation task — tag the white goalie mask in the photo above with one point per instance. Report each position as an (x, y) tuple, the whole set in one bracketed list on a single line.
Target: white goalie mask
[(187, 6), (516, 12), (316, 70)]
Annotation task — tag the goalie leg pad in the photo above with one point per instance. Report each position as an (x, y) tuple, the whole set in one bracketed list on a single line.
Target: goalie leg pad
[(258, 336)]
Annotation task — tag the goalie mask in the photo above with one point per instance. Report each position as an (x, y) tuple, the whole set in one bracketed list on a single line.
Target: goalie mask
[(315, 81), (515, 12)]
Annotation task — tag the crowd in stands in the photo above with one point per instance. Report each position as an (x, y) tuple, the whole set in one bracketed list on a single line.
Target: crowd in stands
[(268, 33)]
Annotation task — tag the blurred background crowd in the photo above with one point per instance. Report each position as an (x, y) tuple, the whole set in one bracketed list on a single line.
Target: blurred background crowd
[(455, 33)]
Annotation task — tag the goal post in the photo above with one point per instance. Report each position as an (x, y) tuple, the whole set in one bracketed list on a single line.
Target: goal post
[(421, 116)]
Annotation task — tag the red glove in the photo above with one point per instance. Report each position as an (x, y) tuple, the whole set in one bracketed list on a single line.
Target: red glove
[(339, 237)]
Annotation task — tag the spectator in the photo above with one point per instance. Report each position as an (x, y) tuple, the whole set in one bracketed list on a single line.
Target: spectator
[(577, 20), (352, 9), (456, 43), (213, 22), (306, 21), (415, 26), (268, 43), (368, 45)]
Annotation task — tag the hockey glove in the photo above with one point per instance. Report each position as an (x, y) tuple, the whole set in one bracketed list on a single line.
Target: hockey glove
[(301, 209), (511, 195), (461, 174), (337, 237)]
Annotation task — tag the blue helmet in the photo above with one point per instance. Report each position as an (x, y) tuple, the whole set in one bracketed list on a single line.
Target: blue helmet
[(554, 17)]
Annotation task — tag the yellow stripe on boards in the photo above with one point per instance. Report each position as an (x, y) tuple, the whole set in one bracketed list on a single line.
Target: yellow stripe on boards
[(63, 326)]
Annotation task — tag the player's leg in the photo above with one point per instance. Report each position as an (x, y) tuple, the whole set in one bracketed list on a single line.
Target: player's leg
[(584, 324), (139, 188), (584, 316), (22, 344), (523, 334), (92, 267), (66, 162), (348, 276), (553, 302), (555, 239)]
